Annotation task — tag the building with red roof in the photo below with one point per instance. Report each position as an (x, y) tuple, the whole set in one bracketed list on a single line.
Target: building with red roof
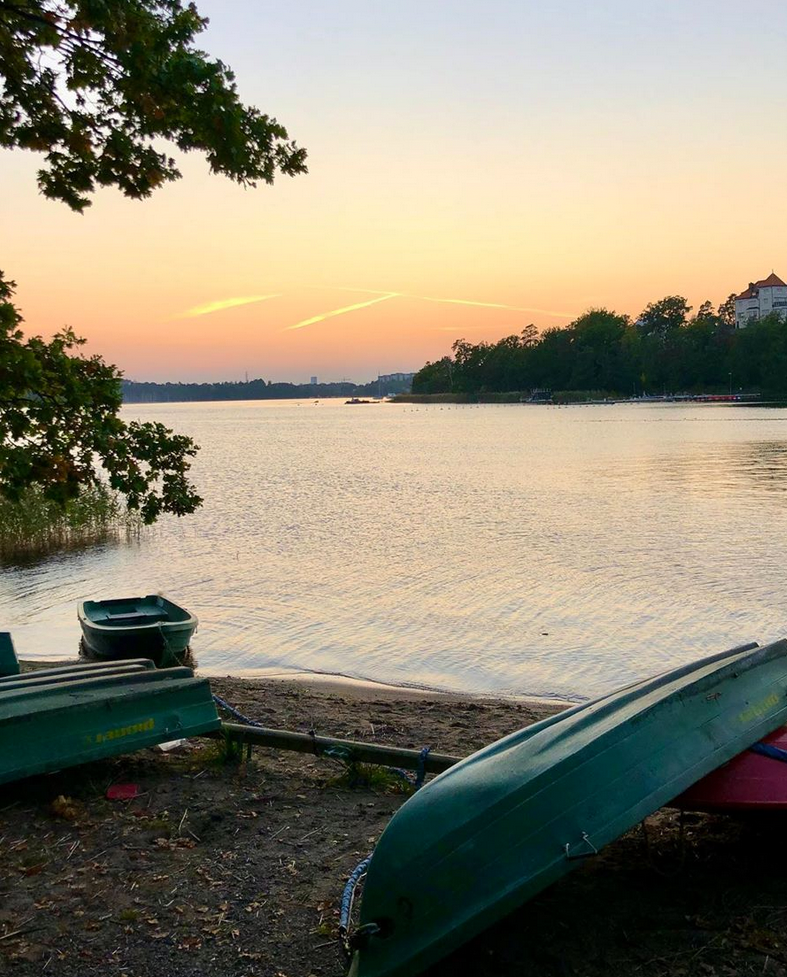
[(760, 299)]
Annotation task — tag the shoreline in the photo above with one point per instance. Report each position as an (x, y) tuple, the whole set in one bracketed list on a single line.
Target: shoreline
[(232, 864), (339, 683)]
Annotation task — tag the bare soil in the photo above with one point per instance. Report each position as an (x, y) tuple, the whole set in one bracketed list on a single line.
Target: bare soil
[(226, 868)]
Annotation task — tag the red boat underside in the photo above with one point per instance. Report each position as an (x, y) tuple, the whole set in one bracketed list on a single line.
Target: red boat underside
[(749, 782)]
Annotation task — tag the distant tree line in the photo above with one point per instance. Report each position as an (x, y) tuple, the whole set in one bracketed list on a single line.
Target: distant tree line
[(135, 392), (665, 350)]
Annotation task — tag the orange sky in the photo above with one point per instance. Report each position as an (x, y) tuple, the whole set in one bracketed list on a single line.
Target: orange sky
[(520, 159)]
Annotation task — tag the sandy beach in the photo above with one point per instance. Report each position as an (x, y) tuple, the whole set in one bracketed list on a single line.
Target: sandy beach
[(236, 868)]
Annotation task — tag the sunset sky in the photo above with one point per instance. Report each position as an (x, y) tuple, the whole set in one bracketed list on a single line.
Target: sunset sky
[(473, 167)]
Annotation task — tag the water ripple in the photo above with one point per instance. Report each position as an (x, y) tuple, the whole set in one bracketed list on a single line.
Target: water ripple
[(498, 549)]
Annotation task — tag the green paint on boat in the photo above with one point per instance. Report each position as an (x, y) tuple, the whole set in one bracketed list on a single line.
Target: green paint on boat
[(61, 717), (9, 664), (497, 828), (136, 627)]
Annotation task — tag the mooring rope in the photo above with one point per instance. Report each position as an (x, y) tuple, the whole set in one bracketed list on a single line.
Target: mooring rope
[(346, 905), (420, 774), (348, 894), (236, 712)]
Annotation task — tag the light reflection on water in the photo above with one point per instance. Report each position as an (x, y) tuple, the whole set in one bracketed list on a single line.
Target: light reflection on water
[(503, 549)]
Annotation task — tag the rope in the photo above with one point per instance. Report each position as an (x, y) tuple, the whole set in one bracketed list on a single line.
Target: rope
[(420, 774), (348, 895), (766, 749), (346, 906), (235, 712)]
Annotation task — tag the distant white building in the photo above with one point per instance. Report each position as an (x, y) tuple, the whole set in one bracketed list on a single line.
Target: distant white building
[(759, 299), (398, 377)]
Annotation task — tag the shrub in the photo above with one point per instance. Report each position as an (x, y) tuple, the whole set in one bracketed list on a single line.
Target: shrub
[(36, 526)]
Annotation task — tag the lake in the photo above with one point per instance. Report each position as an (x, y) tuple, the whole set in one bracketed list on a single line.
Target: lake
[(505, 549)]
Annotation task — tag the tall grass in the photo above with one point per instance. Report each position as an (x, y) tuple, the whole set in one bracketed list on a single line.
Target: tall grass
[(35, 526)]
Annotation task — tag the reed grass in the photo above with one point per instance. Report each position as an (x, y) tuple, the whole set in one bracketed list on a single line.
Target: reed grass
[(36, 526)]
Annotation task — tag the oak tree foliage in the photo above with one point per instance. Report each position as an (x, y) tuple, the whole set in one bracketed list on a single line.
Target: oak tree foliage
[(60, 430), (97, 85), (100, 87)]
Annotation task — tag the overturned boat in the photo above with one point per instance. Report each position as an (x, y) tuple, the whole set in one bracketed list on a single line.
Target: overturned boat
[(500, 826), (59, 717)]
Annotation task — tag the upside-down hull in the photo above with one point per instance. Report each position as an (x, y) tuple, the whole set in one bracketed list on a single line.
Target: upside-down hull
[(491, 832), (73, 714)]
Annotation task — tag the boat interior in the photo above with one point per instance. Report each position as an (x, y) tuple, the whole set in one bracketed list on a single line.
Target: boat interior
[(134, 611)]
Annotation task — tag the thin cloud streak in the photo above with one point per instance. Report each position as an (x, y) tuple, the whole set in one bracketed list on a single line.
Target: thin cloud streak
[(347, 308), (498, 305), (222, 304), (483, 305), (370, 291)]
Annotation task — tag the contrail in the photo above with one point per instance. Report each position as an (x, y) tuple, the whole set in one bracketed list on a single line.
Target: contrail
[(371, 291), (221, 304), (346, 308), (497, 305), (483, 305)]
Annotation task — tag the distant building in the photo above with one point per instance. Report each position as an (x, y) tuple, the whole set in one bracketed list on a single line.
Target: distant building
[(396, 377), (759, 299), (313, 381)]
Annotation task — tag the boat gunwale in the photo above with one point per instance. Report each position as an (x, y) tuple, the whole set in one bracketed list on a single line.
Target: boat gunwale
[(75, 668), (87, 622), (153, 682)]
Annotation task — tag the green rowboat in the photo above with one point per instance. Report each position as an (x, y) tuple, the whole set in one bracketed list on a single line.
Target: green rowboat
[(59, 717), (136, 627), (497, 828)]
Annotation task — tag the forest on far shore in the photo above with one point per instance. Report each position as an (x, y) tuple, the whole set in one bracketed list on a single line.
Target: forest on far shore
[(666, 350)]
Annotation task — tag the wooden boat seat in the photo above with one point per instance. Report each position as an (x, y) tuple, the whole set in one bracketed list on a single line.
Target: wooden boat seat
[(137, 617)]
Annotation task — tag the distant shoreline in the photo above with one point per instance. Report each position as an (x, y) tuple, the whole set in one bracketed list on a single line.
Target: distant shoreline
[(150, 392), (700, 400)]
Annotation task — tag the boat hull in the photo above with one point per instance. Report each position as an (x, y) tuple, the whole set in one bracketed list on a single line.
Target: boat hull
[(136, 627), (750, 782), (497, 828), (60, 717)]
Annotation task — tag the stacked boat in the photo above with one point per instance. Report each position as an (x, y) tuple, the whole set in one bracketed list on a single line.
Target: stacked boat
[(60, 717), (501, 825)]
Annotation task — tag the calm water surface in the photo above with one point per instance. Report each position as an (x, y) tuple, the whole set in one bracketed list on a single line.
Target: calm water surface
[(499, 549)]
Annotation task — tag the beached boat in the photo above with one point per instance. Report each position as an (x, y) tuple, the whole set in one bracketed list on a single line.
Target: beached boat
[(59, 717), (492, 831), (756, 780), (151, 627)]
